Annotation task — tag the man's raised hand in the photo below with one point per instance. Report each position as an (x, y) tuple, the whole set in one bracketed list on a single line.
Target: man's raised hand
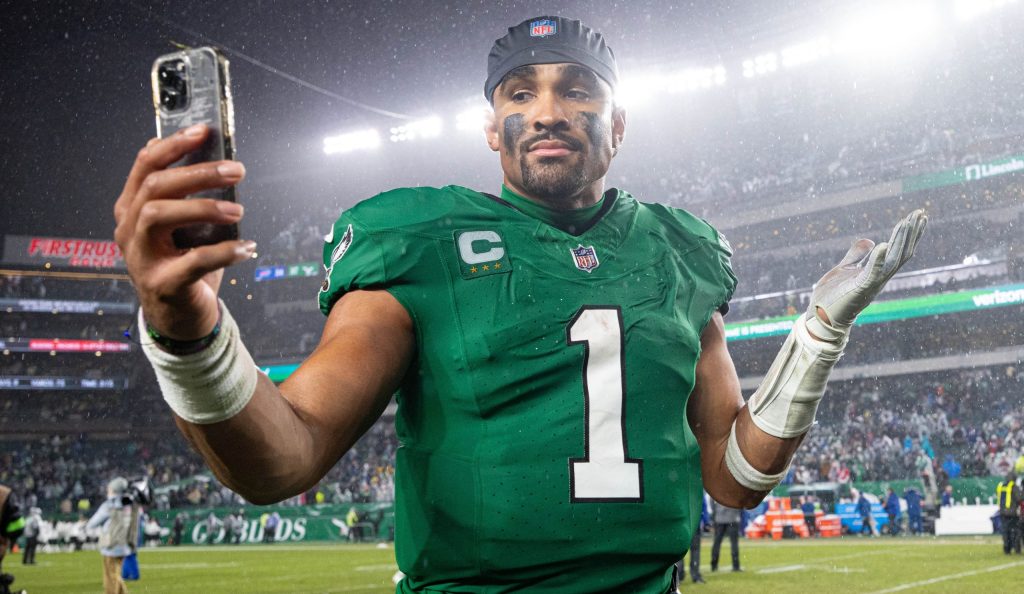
[(848, 288), (177, 289)]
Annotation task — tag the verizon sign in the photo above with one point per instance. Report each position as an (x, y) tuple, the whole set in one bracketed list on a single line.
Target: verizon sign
[(62, 251)]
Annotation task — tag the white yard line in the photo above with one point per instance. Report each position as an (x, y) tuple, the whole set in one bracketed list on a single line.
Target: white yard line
[(952, 576), (782, 569), (380, 567)]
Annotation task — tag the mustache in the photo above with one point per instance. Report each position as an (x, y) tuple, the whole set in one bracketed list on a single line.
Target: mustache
[(569, 141)]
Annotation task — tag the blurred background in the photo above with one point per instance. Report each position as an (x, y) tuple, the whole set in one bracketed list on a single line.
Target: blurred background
[(794, 129)]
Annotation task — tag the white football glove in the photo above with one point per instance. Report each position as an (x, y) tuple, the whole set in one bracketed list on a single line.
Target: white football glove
[(848, 288), (785, 403)]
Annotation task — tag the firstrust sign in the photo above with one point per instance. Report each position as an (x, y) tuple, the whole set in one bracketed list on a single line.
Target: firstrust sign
[(62, 252)]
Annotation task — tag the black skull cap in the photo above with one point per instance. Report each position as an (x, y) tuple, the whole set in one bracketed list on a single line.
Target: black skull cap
[(549, 40)]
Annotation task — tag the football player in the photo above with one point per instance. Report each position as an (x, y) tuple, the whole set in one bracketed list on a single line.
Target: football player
[(558, 350)]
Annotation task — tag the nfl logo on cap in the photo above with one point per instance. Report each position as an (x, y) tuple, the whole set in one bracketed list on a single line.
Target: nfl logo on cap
[(543, 28), (585, 257)]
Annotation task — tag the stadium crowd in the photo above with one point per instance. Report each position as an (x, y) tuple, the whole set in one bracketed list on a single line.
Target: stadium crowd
[(907, 340), (40, 287), (68, 474), (956, 424), (935, 426), (807, 159)]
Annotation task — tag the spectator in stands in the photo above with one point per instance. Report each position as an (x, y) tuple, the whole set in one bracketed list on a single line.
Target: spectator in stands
[(727, 522), (892, 508), (914, 523), (118, 524), (951, 466), (947, 496), (926, 471)]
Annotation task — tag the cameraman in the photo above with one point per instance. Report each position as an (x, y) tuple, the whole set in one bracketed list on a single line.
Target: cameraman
[(117, 519), (11, 527)]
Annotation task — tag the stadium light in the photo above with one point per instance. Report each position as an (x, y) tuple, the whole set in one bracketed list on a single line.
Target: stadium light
[(351, 141), (878, 29), (693, 79), (760, 65), (472, 120), (415, 130), (807, 52), (638, 89), (887, 30), (966, 10)]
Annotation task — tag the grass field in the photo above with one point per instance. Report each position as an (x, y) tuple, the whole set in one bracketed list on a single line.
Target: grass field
[(961, 565)]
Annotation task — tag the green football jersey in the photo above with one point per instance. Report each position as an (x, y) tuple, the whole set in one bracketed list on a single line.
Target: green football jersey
[(543, 436)]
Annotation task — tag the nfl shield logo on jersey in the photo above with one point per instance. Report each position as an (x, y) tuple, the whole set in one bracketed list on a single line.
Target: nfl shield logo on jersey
[(585, 257), (543, 28)]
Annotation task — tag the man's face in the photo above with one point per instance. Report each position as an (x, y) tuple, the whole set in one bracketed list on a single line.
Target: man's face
[(556, 129)]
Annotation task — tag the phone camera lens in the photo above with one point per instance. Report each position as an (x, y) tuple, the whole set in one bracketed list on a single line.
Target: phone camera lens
[(169, 98), (173, 79)]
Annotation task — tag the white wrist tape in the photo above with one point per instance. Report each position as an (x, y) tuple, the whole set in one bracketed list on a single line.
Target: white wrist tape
[(206, 387), (744, 473), (834, 334), (787, 399)]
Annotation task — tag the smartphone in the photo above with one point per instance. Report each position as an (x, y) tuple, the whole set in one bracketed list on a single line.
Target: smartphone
[(192, 86)]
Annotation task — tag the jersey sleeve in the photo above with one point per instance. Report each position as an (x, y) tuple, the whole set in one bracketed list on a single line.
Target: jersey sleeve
[(705, 256), (722, 254), (352, 259)]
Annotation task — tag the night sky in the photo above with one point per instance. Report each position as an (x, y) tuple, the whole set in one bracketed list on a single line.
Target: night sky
[(76, 99)]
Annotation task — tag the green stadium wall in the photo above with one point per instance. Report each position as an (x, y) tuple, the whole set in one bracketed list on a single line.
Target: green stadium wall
[(304, 523), (974, 488), (322, 523)]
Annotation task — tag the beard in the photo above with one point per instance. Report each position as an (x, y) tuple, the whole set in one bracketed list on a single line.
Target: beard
[(557, 180), (553, 179)]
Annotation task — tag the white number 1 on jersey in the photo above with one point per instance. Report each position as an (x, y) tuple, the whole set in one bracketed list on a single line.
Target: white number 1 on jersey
[(605, 473)]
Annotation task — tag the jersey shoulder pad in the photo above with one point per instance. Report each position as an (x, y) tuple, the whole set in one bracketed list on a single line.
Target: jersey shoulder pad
[(685, 231), (682, 226), (407, 207), (371, 244)]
